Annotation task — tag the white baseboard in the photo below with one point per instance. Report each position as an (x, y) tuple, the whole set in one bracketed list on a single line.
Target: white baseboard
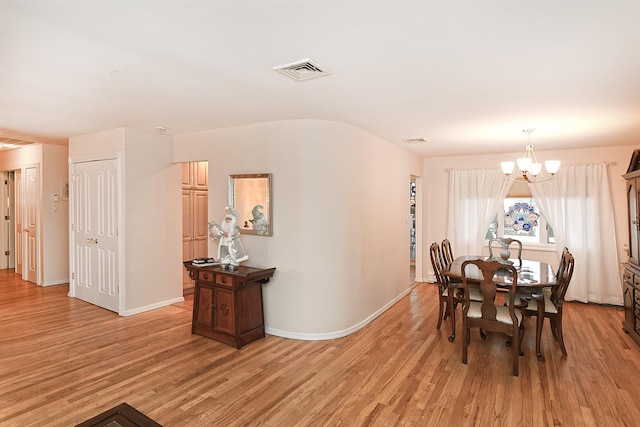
[(56, 282), (336, 334), (151, 307)]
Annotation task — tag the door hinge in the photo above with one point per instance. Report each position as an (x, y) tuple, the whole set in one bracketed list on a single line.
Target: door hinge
[(7, 217), (7, 252), (73, 276), (73, 227)]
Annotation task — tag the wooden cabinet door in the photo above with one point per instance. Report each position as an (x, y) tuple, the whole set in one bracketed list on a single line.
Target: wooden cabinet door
[(224, 311), (628, 298), (186, 175), (634, 220), (200, 223), (635, 303), (195, 230), (200, 175), (195, 175), (204, 305), (187, 236)]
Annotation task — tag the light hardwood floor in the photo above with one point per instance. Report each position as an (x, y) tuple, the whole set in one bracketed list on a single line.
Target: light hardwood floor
[(63, 361)]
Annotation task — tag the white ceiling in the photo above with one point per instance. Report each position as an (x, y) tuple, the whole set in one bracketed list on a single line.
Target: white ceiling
[(467, 76)]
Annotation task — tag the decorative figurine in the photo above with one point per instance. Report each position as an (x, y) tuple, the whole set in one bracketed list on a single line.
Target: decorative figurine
[(259, 220), (230, 250)]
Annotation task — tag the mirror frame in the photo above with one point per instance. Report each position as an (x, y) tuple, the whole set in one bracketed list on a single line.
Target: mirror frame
[(245, 212)]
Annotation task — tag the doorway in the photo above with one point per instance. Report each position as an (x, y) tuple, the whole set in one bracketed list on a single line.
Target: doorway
[(95, 246), (195, 208), (415, 226), (8, 232), (19, 234)]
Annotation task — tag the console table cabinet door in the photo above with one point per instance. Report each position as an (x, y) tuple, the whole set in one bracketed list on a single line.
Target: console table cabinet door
[(224, 311), (204, 312)]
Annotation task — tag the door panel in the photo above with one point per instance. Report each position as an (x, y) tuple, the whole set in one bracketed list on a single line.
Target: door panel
[(31, 205), (19, 221), (201, 175), (95, 233), (200, 224), (224, 311)]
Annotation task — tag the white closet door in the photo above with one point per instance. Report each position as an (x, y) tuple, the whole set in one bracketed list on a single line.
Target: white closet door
[(95, 233), (19, 222), (31, 219)]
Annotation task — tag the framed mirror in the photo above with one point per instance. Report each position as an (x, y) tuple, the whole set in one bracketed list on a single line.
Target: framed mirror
[(250, 195)]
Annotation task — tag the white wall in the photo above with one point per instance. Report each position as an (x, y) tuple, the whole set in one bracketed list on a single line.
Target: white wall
[(340, 218), (436, 187), (153, 222), (53, 226), (55, 215), (152, 216)]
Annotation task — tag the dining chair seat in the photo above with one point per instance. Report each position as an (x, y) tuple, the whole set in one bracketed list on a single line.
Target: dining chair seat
[(532, 305), (502, 313)]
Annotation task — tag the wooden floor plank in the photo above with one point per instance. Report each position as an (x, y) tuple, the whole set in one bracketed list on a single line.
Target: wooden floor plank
[(63, 361)]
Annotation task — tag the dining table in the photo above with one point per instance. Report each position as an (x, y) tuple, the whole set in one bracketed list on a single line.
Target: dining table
[(533, 277)]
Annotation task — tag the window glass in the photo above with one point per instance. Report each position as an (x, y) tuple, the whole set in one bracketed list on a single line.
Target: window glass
[(521, 219)]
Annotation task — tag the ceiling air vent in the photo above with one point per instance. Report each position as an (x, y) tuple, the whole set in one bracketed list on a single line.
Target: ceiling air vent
[(10, 143), (414, 141), (302, 70)]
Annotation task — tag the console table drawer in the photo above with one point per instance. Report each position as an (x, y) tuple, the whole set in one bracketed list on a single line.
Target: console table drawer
[(216, 278), (224, 280), (206, 276)]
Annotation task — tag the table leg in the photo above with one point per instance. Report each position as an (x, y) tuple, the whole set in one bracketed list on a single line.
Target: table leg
[(452, 312), (539, 298)]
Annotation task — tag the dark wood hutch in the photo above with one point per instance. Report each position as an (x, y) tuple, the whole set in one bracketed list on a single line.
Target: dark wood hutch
[(631, 278), (227, 304)]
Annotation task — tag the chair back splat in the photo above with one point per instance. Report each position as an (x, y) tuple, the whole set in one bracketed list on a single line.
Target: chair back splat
[(565, 272), (447, 252)]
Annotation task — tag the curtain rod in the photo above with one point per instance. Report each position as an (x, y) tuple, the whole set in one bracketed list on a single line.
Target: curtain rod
[(606, 163)]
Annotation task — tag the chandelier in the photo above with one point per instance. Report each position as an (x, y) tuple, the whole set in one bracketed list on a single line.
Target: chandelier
[(529, 169)]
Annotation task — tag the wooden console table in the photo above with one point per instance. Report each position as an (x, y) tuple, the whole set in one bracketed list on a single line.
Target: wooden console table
[(227, 304)]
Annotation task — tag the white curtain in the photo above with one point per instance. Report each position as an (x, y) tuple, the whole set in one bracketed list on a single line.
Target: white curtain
[(475, 196), (577, 204)]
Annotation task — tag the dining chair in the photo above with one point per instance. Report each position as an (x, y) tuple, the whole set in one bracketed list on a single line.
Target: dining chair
[(505, 243), (447, 257), (444, 287), (563, 259), (487, 315), (447, 252), (553, 303)]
